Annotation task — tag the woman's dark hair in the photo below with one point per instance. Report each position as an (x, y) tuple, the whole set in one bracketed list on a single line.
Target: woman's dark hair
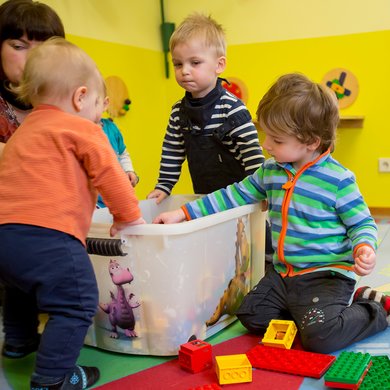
[(37, 20)]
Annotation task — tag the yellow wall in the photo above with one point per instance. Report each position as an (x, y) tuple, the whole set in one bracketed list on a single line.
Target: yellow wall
[(251, 21), (266, 39), (368, 57), (144, 124), (128, 22), (246, 21)]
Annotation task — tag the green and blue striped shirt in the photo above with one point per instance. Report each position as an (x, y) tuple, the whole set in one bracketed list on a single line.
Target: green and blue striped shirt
[(317, 218)]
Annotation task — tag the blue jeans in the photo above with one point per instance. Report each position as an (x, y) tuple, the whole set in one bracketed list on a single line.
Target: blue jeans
[(47, 271)]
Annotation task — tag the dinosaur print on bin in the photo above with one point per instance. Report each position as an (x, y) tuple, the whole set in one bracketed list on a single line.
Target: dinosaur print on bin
[(120, 309)]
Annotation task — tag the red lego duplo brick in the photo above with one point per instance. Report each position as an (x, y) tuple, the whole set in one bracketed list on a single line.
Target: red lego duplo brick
[(290, 361), (195, 356)]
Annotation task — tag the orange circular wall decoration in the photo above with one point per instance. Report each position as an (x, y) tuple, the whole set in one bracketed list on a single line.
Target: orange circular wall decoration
[(344, 83), (237, 88)]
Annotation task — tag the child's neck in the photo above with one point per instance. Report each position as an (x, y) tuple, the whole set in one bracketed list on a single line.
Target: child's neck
[(63, 104), (308, 159)]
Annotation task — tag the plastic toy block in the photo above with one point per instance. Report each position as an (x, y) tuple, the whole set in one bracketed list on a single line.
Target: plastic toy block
[(378, 376), (349, 370), (290, 361), (280, 334), (212, 386), (195, 356), (233, 369)]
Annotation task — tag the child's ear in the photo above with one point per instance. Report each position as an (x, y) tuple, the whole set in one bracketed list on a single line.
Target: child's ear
[(106, 103), (314, 145), (221, 65), (78, 98)]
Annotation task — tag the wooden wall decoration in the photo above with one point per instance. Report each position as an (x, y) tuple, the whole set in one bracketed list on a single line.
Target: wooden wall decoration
[(118, 95), (344, 83)]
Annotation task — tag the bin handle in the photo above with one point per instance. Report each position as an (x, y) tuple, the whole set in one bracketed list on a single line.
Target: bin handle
[(104, 247)]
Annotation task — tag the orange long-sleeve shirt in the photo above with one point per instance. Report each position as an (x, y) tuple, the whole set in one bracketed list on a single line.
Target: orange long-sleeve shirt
[(51, 170)]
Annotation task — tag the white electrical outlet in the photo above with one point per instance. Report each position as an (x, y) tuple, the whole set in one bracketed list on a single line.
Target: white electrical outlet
[(384, 164)]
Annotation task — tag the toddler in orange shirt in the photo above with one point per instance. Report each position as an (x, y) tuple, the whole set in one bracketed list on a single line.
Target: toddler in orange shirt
[(50, 173)]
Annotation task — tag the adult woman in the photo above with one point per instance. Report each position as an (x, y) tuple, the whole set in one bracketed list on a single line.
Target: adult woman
[(23, 25)]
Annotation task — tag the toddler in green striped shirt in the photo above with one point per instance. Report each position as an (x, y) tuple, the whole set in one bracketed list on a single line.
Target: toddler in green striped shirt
[(323, 234)]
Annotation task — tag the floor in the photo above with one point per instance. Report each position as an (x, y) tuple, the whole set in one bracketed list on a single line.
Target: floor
[(14, 374)]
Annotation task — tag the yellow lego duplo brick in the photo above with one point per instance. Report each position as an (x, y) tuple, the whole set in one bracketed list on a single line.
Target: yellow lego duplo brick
[(233, 369), (280, 334)]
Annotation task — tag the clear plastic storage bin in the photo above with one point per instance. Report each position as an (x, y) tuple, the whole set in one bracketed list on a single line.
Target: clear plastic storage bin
[(161, 284)]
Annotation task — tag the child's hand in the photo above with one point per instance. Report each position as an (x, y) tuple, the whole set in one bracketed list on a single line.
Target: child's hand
[(116, 227), (174, 216), (133, 177), (158, 195), (365, 259)]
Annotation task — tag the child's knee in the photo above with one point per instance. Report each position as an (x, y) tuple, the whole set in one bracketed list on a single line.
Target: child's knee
[(316, 345), (252, 323), (317, 339)]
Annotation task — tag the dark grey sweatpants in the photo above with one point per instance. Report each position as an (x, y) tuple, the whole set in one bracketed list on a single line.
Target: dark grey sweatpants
[(318, 303)]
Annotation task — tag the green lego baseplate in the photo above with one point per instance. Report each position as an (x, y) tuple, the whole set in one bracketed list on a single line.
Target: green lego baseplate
[(348, 368), (378, 376)]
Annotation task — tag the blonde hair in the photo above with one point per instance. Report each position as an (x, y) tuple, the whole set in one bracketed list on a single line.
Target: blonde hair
[(295, 105), (54, 69), (203, 28)]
